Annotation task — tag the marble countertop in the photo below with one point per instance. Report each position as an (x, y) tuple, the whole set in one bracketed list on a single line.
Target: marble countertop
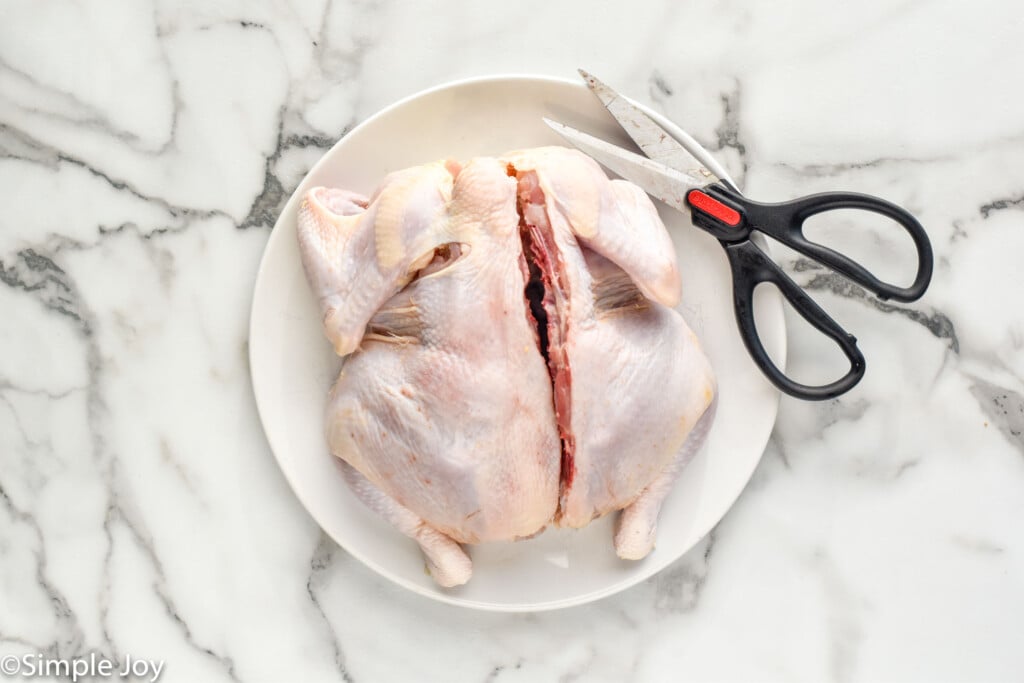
[(145, 150)]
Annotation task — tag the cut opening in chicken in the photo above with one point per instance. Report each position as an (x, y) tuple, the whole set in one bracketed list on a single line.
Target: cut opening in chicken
[(547, 297)]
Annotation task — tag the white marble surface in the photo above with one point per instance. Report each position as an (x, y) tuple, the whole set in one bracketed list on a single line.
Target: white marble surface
[(144, 152)]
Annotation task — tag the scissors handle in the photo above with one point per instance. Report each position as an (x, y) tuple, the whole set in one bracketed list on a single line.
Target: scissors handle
[(751, 267), (784, 221)]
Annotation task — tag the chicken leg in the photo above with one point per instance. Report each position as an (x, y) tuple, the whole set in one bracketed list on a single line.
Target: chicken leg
[(637, 526), (447, 561)]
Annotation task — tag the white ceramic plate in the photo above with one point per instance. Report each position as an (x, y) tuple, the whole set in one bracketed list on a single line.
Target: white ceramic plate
[(293, 365)]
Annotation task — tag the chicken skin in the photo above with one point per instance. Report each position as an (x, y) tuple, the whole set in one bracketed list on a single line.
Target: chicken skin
[(511, 357)]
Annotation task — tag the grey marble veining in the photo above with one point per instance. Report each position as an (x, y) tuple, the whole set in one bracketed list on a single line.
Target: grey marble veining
[(145, 150)]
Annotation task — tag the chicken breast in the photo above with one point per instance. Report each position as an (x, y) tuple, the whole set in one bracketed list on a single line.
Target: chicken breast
[(630, 378), (511, 359)]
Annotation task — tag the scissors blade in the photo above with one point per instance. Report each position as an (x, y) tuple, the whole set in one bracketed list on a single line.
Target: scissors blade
[(654, 140), (667, 184)]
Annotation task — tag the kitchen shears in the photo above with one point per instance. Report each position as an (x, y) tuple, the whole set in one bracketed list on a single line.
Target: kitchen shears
[(669, 172)]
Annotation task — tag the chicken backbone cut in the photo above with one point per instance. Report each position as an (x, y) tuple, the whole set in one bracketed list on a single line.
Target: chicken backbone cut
[(512, 359)]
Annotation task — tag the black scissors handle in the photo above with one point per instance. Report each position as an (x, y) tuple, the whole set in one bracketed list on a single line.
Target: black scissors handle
[(751, 267), (731, 217), (784, 221)]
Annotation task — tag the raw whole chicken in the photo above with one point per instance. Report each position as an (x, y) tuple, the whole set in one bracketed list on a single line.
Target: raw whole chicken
[(512, 359)]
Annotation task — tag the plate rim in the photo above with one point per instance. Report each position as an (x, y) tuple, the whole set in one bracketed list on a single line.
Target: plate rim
[(253, 343)]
